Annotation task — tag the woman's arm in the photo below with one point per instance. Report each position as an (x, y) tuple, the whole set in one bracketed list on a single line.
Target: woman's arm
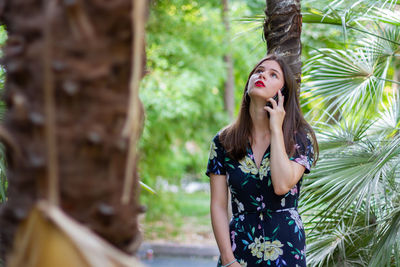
[(219, 216), (284, 173)]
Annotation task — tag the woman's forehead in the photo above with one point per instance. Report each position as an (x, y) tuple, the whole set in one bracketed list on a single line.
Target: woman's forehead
[(270, 64)]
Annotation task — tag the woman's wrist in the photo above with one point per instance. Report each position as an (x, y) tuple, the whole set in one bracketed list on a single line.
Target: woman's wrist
[(225, 259), (276, 130), (230, 263)]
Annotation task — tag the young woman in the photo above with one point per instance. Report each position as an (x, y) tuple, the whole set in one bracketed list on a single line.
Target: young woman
[(261, 158)]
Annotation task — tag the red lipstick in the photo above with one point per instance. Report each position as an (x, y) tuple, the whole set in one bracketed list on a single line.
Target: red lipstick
[(259, 83)]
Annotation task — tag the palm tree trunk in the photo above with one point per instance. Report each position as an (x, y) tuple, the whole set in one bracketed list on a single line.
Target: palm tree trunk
[(282, 30), (82, 50), (229, 93)]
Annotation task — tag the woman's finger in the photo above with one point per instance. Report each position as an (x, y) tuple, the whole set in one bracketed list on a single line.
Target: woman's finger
[(273, 102), (281, 99), (268, 108)]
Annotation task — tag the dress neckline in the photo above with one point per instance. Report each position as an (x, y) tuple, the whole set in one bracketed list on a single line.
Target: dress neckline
[(251, 154)]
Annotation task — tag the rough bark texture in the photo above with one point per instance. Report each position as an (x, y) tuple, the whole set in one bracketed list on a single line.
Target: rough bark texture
[(229, 94), (282, 31), (91, 63)]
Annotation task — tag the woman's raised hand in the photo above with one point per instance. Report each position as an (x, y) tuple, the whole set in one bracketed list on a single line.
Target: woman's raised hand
[(276, 113)]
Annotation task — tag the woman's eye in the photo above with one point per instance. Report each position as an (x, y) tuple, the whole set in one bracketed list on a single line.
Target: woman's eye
[(259, 70), (274, 75)]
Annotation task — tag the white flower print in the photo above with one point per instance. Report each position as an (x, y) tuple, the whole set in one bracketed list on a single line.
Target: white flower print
[(239, 204), (266, 249), (283, 202), (213, 151), (295, 216), (243, 263), (257, 247), (264, 168), (247, 165), (273, 250)]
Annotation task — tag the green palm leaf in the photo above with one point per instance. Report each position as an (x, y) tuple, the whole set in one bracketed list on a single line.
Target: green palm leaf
[(346, 131), (340, 244), (346, 79), (349, 176), (385, 15), (351, 199), (387, 242), (388, 122), (147, 188), (387, 45)]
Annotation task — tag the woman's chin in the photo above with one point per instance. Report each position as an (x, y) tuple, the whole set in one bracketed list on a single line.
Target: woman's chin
[(256, 95), (256, 92)]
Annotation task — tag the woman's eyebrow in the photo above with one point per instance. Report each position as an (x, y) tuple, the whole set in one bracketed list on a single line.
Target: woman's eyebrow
[(276, 71)]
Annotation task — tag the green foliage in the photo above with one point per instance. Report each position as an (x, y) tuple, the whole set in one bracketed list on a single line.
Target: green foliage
[(352, 197), (166, 221), (183, 90), (180, 92)]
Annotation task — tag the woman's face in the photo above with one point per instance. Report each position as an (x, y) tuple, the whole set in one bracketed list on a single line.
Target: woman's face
[(266, 80)]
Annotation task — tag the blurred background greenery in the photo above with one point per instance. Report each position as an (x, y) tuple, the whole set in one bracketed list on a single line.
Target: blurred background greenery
[(350, 94)]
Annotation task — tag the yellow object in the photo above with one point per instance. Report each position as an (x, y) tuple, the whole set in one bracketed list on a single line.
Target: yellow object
[(49, 238)]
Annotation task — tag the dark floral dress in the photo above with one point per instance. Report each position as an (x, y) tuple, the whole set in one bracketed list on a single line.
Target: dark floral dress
[(265, 229)]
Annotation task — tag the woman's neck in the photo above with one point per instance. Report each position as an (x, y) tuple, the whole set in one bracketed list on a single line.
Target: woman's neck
[(260, 130)]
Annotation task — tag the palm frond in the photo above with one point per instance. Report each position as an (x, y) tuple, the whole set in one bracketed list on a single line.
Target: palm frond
[(385, 15), (340, 241), (347, 130), (351, 198), (346, 79), (348, 18), (344, 178), (388, 122), (251, 19), (387, 46), (388, 240), (147, 188), (311, 15)]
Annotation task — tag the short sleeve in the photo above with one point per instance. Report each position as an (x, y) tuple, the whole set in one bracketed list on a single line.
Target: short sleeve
[(304, 152), (216, 162)]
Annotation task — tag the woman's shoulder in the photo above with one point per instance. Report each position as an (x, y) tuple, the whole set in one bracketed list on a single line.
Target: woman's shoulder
[(221, 133), (218, 137)]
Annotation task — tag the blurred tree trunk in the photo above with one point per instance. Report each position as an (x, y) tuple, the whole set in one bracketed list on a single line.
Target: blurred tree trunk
[(229, 92), (282, 30), (87, 46)]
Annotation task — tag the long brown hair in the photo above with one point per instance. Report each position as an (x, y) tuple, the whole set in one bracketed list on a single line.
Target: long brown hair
[(234, 137)]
